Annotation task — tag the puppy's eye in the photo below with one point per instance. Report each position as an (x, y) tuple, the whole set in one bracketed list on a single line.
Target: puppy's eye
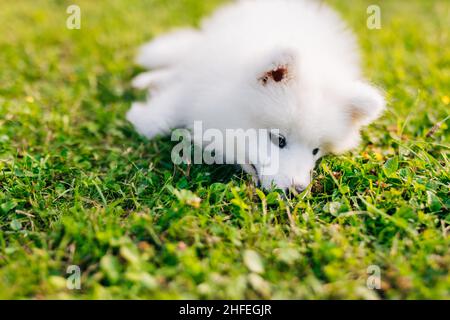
[(316, 151), (276, 75), (278, 140)]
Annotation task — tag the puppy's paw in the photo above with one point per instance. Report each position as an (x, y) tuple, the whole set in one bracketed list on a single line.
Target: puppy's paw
[(151, 80), (147, 121), (167, 50), (142, 81)]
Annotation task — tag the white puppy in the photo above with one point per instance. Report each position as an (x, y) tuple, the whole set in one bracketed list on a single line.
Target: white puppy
[(290, 65)]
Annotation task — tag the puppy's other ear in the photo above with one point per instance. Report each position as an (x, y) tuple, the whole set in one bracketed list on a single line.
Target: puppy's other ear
[(366, 103), (280, 68)]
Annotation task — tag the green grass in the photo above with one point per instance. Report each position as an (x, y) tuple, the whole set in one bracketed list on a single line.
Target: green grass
[(79, 187)]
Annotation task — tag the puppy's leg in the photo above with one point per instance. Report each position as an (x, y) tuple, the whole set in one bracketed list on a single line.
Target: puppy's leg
[(167, 50), (152, 80), (156, 117)]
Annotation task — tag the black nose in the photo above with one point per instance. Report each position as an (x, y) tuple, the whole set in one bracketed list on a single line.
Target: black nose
[(295, 189)]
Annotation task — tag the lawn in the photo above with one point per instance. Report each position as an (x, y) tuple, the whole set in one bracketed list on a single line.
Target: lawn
[(79, 187)]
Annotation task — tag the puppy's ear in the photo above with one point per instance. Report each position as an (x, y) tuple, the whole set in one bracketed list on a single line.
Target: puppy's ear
[(280, 67), (365, 103)]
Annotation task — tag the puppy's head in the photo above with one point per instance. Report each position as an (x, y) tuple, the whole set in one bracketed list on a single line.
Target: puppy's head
[(315, 108)]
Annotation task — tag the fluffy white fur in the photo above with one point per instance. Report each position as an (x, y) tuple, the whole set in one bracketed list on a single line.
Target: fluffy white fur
[(215, 74)]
